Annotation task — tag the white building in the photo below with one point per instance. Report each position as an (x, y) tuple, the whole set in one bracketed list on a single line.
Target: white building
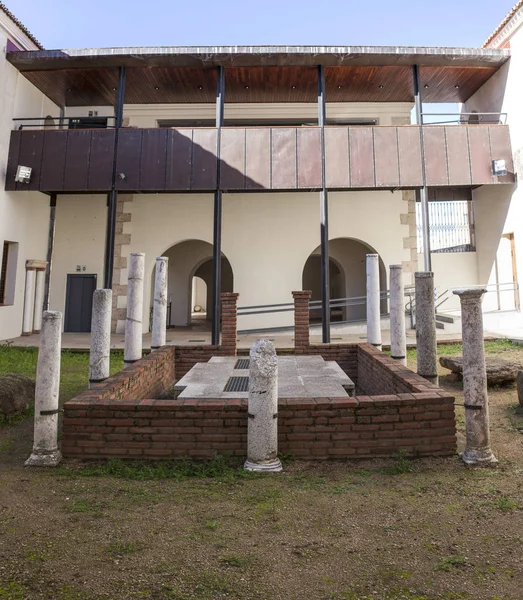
[(183, 151)]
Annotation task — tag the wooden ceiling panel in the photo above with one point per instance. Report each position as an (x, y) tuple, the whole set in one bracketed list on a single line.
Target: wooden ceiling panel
[(162, 85), (166, 85), (452, 84), (77, 87), (369, 84), (271, 84)]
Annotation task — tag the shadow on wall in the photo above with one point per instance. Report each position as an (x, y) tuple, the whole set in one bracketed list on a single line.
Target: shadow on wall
[(347, 264), (189, 259)]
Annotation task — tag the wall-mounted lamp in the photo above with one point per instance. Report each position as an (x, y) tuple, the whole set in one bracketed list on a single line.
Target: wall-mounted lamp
[(499, 167), (23, 174)]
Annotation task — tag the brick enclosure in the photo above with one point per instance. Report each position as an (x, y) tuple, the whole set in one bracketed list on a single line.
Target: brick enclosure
[(394, 409), (399, 411)]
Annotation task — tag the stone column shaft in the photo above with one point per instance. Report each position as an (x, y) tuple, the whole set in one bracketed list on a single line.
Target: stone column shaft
[(160, 303), (477, 451), (262, 428), (373, 301), (39, 300), (398, 339), (45, 448), (133, 323), (99, 358), (426, 327), (29, 298)]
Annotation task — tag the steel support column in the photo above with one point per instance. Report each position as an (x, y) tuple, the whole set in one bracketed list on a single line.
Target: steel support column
[(217, 221), (324, 216), (422, 193), (112, 197), (50, 247)]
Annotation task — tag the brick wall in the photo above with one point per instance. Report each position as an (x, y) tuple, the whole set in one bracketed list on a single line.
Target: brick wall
[(378, 373), (301, 321), (229, 322), (322, 428)]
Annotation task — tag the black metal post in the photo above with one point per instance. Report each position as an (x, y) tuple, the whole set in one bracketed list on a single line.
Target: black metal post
[(423, 192), (112, 197), (217, 221), (50, 247), (324, 216)]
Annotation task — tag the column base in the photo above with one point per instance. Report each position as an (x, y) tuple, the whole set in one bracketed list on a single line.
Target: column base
[(25, 333), (273, 466), (479, 458), (44, 458), (35, 331), (430, 378)]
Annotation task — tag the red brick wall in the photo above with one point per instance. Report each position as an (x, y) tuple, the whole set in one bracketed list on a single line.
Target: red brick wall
[(229, 323), (145, 378), (301, 321), (419, 424), (378, 373)]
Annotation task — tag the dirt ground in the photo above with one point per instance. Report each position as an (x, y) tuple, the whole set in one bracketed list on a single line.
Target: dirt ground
[(398, 529)]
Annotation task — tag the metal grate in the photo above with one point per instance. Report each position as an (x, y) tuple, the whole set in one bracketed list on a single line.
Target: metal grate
[(237, 384), (242, 363), (197, 341)]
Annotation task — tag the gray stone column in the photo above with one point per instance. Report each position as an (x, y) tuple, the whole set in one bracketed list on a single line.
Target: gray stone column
[(262, 429), (39, 299), (398, 339), (29, 298), (45, 447), (160, 303), (373, 301), (99, 358), (477, 450), (426, 326), (133, 323)]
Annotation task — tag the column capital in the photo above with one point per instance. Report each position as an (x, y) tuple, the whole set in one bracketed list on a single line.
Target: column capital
[(470, 293), (35, 265)]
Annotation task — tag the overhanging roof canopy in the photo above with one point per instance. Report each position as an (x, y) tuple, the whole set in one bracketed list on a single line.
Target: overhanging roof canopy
[(257, 73)]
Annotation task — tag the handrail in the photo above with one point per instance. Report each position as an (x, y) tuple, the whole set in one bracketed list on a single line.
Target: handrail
[(58, 122), (501, 118)]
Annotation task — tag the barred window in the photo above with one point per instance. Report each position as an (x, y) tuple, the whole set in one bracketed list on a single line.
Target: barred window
[(451, 226), (8, 273)]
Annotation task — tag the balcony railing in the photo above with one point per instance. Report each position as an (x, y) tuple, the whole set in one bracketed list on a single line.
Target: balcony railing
[(258, 158)]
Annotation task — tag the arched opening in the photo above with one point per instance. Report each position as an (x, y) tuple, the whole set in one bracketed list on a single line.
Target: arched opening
[(347, 258), (190, 283), (49, 123)]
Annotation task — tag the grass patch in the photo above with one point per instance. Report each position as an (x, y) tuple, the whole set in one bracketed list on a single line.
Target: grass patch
[(217, 468), (448, 562), (505, 504), (119, 549), (12, 591), (400, 465)]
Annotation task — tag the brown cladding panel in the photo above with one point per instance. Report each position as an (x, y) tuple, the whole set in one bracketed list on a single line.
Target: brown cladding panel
[(179, 157), (31, 147), (101, 160), (204, 162), (458, 156), (309, 158), (435, 155), (283, 158), (500, 147), (232, 159), (12, 160), (361, 157), (53, 161), (480, 161), (337, 157), (386, 157), (258, 159), (128, 159), (409, 151), (153, 159), (76, 173)]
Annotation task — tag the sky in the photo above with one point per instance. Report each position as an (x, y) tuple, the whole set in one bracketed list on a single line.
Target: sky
[(61, 24)]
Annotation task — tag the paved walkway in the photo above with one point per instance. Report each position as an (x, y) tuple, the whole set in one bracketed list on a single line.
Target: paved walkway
[(187, 336)]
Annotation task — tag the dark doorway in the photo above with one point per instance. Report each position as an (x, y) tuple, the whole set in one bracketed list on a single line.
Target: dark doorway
[(79, 302)]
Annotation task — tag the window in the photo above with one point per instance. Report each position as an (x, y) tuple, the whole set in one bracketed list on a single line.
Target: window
[(8, 273), (451, 226)]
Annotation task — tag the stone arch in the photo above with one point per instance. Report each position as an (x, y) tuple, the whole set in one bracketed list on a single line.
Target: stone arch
[(347, 264), (188, 259)]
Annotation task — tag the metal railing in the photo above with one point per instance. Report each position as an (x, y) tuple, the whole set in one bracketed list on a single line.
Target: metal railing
[(314, 305), (451, 225), (99, 122), (442, 298), (467, 118)]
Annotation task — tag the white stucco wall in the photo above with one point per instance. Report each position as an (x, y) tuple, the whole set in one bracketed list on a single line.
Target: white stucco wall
[(24, 216), (79, 240)]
